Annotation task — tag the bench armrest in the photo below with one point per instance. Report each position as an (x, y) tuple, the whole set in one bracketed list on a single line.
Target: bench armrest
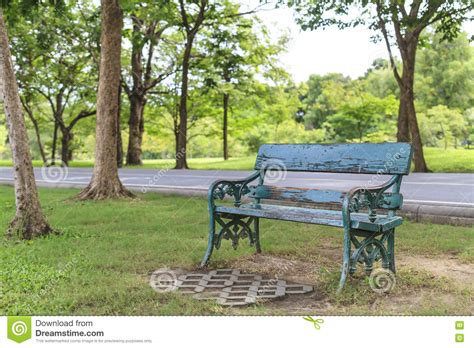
[(234, 188), (372, 197)]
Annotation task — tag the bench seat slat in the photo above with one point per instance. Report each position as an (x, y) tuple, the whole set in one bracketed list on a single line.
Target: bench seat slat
[(333, 218), (297, 194)]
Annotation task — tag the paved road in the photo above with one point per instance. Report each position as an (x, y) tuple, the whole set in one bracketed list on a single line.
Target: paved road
[(417, 188)]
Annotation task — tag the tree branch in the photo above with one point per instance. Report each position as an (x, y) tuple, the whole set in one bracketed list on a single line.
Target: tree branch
[(387, 43), (81, 115)]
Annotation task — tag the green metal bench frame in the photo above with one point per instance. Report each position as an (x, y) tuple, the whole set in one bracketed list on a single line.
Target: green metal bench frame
[(371, 234)]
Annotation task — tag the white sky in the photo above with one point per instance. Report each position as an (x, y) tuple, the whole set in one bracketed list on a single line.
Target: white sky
[(347, 51)]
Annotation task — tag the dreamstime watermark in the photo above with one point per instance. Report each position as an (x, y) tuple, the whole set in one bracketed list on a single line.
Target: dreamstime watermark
[(19, 328), (388, 165), (274, 170), (161, 173), (54, 171), (382, 280), (164, 280), (273, 282)]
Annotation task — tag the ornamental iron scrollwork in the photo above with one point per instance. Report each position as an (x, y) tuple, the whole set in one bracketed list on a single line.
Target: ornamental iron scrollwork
[(231, 189), (369, 251), (234, 229), (372, 198)]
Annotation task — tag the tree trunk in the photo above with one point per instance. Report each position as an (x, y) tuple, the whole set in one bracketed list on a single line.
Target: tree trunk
[(224, 130), (407, 114), (181, 162), (137, 104), (136, 129), (55, 142), (403, 133), (37, 131), (105, 182), (119, 131), (65, 150), (29, 221)]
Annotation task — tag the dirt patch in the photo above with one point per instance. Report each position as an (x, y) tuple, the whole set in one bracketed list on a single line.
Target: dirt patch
[(309, 272), (275, 267), (441, 266), (405, 302)]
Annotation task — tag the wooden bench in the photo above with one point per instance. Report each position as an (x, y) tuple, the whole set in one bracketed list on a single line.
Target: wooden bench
[(369, 232)]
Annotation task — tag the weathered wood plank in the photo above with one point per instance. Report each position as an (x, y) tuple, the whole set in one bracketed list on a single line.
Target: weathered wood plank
[(296, 194), (390, 201), (383, 158), (313, 216)]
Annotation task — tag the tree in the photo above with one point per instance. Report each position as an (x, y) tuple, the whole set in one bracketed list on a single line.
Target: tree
[(323, 97), (53, 64), (379, 81), (29, 220), (443, 124), (444, 72), (397, 23), (191, 24), (149, 24), (236, 49), (227, 64), (361, 115), (105, 182)]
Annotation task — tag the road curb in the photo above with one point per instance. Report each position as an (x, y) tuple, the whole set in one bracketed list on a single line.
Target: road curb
[(456, 215)]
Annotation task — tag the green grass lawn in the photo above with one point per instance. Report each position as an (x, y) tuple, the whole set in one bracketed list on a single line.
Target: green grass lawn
[(439, 161), (99, 264), (450, 160)]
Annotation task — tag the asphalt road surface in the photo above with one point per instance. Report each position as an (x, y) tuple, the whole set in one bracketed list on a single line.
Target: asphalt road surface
[(418, 188)]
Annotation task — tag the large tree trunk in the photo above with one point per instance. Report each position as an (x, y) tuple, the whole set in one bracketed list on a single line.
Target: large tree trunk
[(224, 130), (407, 120), (403, 133), (29, 221), (136, 129), (119, 131), (105, 182), (181, 161)]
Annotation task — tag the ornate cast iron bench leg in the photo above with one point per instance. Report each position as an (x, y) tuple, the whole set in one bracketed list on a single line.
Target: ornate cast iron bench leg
[(210, 243), (370, 249), (256, 227), (391, 249), (346, 258)]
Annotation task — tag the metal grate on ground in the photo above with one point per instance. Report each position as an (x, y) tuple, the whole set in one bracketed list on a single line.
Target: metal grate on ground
[(228, 287)]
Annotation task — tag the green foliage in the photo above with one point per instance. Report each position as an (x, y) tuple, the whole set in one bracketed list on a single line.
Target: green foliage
[(232, 55), (56, 67), (444, 72), (324, 94), (442, 126), (363, 115)]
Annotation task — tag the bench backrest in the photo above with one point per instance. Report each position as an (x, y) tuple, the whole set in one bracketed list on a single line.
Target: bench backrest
[(365, 158)]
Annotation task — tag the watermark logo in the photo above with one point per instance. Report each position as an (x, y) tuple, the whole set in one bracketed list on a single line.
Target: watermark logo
[(54, 171), (316, 322), (164, 280), (382, 280), (274, 170), (19, 329)]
